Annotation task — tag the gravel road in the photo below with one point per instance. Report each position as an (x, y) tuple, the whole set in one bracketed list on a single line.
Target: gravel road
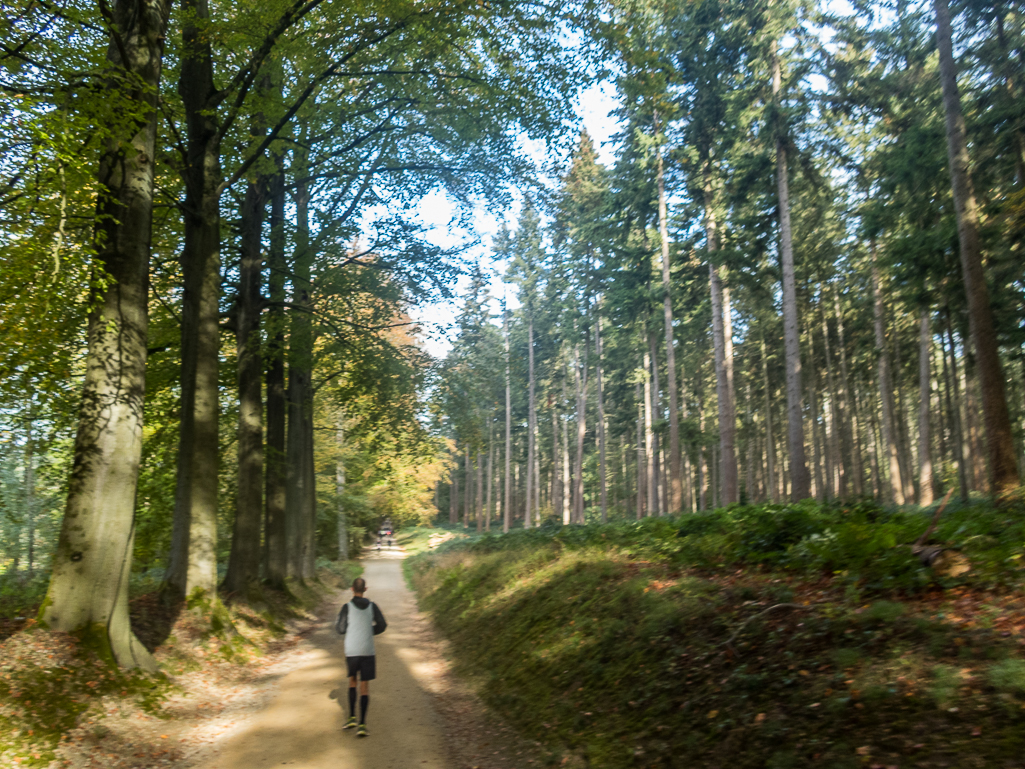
[(302, 726)]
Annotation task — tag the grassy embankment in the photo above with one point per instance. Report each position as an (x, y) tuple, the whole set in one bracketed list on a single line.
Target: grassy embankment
[(51, 684), (657, 644)]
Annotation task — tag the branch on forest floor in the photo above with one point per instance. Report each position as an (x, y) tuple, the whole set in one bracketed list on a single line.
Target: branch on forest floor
[(729, 641)]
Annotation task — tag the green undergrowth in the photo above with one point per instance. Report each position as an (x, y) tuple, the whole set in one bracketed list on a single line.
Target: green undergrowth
[(421, 539), (50, 682), (753, 637)]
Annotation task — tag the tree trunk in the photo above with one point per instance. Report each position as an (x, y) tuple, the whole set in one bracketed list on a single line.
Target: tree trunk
[(895, 490), (468, 493), (507, 504), (1002, 466), (480, 492), (342, 527), (675, 483), (567, 512), (491, 471), (800, 478), (275, 537), (953, 411), (600, 396), (244, 559), (723, 348), (88, 591), (531, 420), (299, 497), (642, 462), (580, 380), (839, 445), (962, 462), (651, 497), (850, 399), (29, 486), (193, 557), (925, 488), (770, 441)]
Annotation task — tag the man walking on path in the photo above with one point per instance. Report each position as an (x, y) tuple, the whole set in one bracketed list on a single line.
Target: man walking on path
[(359, 621)]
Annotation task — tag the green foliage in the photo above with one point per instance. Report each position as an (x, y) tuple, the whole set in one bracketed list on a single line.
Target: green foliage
[(639, 653), (1008, 676)]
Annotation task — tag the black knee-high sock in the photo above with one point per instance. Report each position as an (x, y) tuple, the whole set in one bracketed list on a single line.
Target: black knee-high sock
[(364, 703), (352, 702)]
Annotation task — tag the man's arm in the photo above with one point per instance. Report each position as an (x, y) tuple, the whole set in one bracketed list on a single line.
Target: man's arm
[(379, 623), (342, 623)]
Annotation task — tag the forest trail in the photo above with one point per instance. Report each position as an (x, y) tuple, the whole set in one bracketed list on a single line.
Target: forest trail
[(302, 726)]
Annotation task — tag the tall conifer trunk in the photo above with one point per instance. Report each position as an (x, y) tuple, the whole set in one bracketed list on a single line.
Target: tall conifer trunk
[(1000, 442), (491, 470), (531, 420), (580, 380), (651, 496), (88, 590), (800, 479), (507, 503), (600, 397), (675, 483), (925, 490), (895, 489)]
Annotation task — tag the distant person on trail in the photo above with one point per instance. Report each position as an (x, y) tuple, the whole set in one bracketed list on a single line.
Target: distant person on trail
[(359, 621)]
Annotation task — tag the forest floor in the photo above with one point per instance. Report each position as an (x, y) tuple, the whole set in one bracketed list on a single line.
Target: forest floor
[(283, 702), (643, 658)]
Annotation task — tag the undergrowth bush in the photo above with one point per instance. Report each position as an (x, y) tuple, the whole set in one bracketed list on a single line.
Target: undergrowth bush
[(860, 543)]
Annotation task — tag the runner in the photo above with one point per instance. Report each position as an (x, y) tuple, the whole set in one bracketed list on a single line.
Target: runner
[(359, 621)]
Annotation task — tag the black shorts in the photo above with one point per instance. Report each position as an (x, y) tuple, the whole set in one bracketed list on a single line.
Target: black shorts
[(365, 666)]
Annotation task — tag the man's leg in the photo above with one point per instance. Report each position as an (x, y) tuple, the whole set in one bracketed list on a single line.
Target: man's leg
[(352, 702), (364, 700)]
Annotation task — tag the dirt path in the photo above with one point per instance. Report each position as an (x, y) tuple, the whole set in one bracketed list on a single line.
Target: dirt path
[(303, 724)]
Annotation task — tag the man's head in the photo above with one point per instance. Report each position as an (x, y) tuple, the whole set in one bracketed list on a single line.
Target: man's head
[(359, 586)]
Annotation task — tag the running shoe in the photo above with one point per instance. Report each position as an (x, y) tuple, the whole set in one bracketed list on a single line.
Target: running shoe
[(350, 723), (361, 731)]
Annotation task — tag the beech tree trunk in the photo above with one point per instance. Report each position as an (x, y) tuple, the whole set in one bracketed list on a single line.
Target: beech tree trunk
[(275, 474), (342, 527), (299, 495), (88, 591), (193, 557), (800, 479), (244, 559), (1000, 443)]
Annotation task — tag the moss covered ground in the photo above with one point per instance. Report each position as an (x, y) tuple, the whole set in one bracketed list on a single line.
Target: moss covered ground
[(782, 637)]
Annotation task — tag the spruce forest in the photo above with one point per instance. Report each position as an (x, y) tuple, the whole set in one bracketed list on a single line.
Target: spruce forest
[(768, 337)]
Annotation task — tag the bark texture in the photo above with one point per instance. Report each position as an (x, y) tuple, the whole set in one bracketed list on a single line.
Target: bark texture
[(800, 479), (88, 590), (1000, 443), (193, 558)]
